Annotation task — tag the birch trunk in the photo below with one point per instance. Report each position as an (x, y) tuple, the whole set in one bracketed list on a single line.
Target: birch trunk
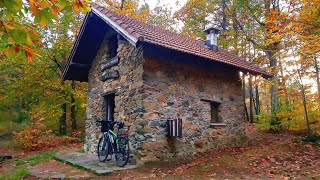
[(251, 99), (317, 76), (244, 95)]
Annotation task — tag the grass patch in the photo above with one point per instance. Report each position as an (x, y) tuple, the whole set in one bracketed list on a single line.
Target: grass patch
[(313, 139), (20, 170), (307, 139), (17, 174), (36, 159)]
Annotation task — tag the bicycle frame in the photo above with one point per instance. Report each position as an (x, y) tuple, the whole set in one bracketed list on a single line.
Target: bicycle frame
[(112, 136)]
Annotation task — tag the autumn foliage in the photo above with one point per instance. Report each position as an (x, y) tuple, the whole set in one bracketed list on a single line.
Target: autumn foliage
[(19, 21)]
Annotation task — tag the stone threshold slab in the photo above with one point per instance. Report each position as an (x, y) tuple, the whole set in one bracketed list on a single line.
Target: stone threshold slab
[(90, 162)]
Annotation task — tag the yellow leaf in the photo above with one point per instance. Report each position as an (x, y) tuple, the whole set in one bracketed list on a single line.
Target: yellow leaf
[(29, 40), (88, 8), (9, 26), (43, 22), (9, 51), (44, 4)]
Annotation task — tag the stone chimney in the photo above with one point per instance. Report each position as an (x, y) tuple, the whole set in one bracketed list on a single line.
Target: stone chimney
[(212, 38)]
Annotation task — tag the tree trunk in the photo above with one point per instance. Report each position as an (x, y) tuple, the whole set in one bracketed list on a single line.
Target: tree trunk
[(224, 23), (304, 99), (74, 125), (309, 132), (317, 76), (63, 119), (274, 85), (283, 84), (224, 16), (121, 5), (257, 100), (244, 95), (251, 99)]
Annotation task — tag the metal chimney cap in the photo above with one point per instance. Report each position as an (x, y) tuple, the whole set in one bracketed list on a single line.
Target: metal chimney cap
[(211, 29)]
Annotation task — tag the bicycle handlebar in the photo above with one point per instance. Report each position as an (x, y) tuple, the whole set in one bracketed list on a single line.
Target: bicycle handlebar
[(112, 123), (107, 121)]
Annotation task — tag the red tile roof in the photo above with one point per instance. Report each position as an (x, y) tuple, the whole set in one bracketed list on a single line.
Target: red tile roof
[(158, 36)]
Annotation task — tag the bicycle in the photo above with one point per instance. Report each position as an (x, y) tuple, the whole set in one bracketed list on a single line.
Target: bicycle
[(111, 143)]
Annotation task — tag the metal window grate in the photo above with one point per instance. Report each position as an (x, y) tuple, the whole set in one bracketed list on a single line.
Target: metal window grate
[(174, 128)]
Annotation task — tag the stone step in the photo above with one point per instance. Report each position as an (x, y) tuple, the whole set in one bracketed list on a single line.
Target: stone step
[(90, 162)]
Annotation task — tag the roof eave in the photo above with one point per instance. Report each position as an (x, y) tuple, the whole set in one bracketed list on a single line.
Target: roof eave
[(75, 46), (115, 26)]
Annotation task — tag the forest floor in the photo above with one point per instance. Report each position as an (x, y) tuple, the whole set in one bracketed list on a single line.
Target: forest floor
[(266, 156)]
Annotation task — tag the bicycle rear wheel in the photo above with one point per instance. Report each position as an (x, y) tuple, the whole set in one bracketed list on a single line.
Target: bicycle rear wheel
[(102, 149), (123, 152)]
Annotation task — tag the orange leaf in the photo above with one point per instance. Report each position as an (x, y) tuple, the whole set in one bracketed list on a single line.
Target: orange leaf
[(35, 9), (77, 6), (29, 56), (33, 33), (55, 11), (43, 22), (17, 49)]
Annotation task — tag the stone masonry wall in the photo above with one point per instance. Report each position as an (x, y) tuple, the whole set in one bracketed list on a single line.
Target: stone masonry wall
[(153, 88), (127, 87), (175, 89)]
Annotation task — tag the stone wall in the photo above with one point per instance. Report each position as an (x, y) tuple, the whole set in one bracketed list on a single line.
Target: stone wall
[(154, 87), (174, 88), (127, 89)]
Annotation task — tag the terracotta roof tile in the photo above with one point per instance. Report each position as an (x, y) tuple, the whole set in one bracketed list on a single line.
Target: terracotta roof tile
[(158, 36)]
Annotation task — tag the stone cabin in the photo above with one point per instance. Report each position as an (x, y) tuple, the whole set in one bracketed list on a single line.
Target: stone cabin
[(148, 77)]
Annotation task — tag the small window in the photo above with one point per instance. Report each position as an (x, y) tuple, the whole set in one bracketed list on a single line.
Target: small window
[(215, 113), (110, 105), (214, 108)]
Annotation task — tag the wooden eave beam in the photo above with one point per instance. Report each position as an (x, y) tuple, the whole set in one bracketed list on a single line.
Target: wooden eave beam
[(79, 65)]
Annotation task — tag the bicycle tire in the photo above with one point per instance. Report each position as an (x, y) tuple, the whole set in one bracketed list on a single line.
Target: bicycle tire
[(102, 149), (124, 151)]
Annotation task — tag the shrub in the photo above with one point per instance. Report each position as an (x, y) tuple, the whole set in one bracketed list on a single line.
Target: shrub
[(33, 138)]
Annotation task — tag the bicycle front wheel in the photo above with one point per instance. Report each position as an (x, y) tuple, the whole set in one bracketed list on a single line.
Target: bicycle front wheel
[(102, 149), (123, 152)]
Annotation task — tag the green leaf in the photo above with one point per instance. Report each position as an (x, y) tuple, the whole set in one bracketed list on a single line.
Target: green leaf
[(37, 18), (240, 4), (18, 35), (22, 54), (5, 38)]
